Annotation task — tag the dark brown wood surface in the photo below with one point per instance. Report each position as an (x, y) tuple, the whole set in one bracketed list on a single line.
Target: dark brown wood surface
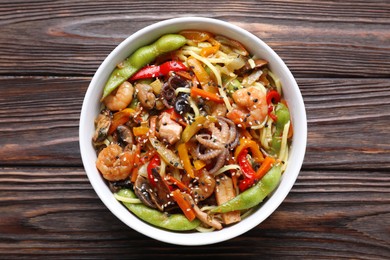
[(339, 51)]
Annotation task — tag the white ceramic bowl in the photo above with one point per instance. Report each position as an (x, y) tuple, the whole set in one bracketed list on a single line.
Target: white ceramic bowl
[(90, 110)]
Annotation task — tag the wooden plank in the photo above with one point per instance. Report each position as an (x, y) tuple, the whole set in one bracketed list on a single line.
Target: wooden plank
[(348, 122), (73, 37), (54, 212), (39, 120)]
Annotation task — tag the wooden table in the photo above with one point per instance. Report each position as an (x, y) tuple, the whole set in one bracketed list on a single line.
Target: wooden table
[(339, 51)]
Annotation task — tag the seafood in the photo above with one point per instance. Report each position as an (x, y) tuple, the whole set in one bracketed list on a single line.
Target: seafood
[(120, 98), (217, 144), (114, 163), (103, 123), (251, 107), (145, 95), (192, 137)]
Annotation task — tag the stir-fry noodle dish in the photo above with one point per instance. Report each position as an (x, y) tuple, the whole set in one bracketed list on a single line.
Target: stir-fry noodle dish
[(193, 132)]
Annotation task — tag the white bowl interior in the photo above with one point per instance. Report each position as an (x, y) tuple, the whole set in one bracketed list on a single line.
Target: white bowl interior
[(91, 105)]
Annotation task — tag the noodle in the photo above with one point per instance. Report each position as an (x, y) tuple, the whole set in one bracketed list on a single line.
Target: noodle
[(176, 136)]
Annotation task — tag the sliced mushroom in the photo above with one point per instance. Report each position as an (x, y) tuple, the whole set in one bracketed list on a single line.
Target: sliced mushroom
[(144, 191), (115, 186), (125, 136), (157, 197), (248, 67), (165, 200), (237, 46)]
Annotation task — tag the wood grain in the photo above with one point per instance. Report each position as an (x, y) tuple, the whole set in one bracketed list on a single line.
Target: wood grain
[(71, 38), (348, 122), (339, 207), (57, 211)]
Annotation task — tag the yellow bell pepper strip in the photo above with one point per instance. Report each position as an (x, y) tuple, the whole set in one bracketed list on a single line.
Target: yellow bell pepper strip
[(201, 74), (140, 58), (140, 130), (253, 146), (184, 203), (207, 51), (184, 157), (193, 128), (264, 168), (120, 118), (197, 92), (199, 164), (196, 36)]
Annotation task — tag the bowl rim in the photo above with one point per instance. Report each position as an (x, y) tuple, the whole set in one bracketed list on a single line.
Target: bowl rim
[(196, 238)]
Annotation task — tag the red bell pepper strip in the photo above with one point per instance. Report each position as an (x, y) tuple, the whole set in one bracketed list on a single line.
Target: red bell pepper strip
[(154, 71), (272, 97), (264, 168), (246, 167), (154, 163)]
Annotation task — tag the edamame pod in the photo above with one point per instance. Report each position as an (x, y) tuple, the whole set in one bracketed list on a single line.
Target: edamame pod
[(140, 58), (176, 222), (254, 195)]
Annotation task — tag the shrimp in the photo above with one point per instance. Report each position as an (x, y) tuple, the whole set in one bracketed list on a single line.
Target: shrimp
[(251, 107), (120, 98), (114, 163)]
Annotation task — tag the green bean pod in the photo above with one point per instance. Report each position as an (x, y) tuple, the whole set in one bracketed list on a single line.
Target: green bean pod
[(140, 58), (254, 195), (283, 116), (175, 222)]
